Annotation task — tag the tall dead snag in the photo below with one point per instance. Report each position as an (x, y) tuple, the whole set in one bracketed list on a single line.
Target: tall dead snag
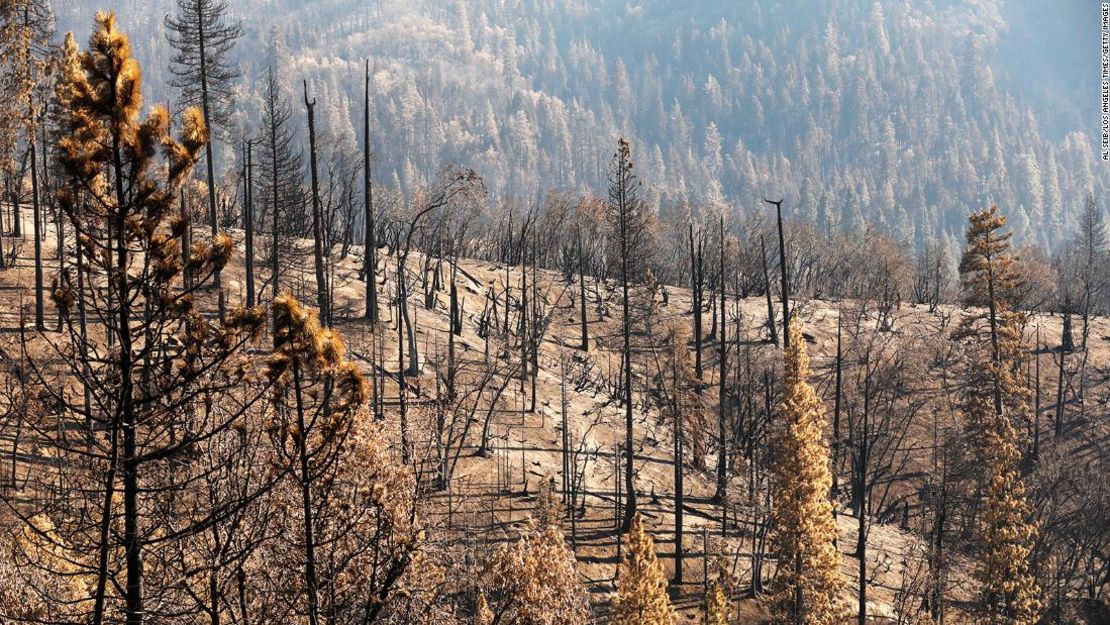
[(26, 27), (783, 275), (995, 394), (679, 390), (248, 218), (697, 282), (1091, 244), (369, 241), (722, 363), (583, 321), (772, 326), (280, 186), (322, 293), (36, 214), (30, 26), (162, 380), (838, 386), (628, 237)]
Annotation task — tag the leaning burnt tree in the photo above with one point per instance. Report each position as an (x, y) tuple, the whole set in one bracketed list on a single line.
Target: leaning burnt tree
[(783, 274)]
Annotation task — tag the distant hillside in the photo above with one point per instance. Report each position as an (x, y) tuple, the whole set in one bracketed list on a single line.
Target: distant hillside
[(904, 115)]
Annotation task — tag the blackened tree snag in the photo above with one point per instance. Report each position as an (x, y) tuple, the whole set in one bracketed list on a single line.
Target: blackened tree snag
[(784, 274)]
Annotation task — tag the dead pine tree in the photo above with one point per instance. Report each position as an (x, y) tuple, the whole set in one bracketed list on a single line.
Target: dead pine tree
[(586, 218), (584, 323), (36, 212), (837, 396), (319, 395), (994, 398), (628, 238), (1091, 244), (679, 388), (281, 195), (564, 431), (145, 386), (27, 29), (202, 38), (538, 321)]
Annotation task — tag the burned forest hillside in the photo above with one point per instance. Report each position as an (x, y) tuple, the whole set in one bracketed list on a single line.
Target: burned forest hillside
[(550, 313)]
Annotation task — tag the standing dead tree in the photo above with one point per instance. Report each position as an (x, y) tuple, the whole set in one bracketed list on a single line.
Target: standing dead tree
[(783, 274), (370, 240), (318, 234), (280, 191), (202, 38), (628, 236), (455, 184)]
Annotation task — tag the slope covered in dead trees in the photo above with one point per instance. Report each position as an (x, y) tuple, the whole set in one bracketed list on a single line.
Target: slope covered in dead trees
[(498, 412)]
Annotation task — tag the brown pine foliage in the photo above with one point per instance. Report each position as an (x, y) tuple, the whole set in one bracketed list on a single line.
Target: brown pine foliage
[(642, 586), (353, 503), (534, 581), (996, 394), (716, 605), (153, 380), (808, 579)]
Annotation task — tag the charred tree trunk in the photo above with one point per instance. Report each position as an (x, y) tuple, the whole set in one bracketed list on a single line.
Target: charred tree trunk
[(1067, 343), (456, 328), (275, 226), (836, 414), (406, 453), (370, 243), (317, 216), (771, 325), (17, 216), (861, 476), (1037, 397), (202, 58), (306, 501), (722, 353), (582, 296), (36, 211), (622, 199), (679, 495), (534, 335), (248, 221), (696, 278), (784, 275), (1058, 425)]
